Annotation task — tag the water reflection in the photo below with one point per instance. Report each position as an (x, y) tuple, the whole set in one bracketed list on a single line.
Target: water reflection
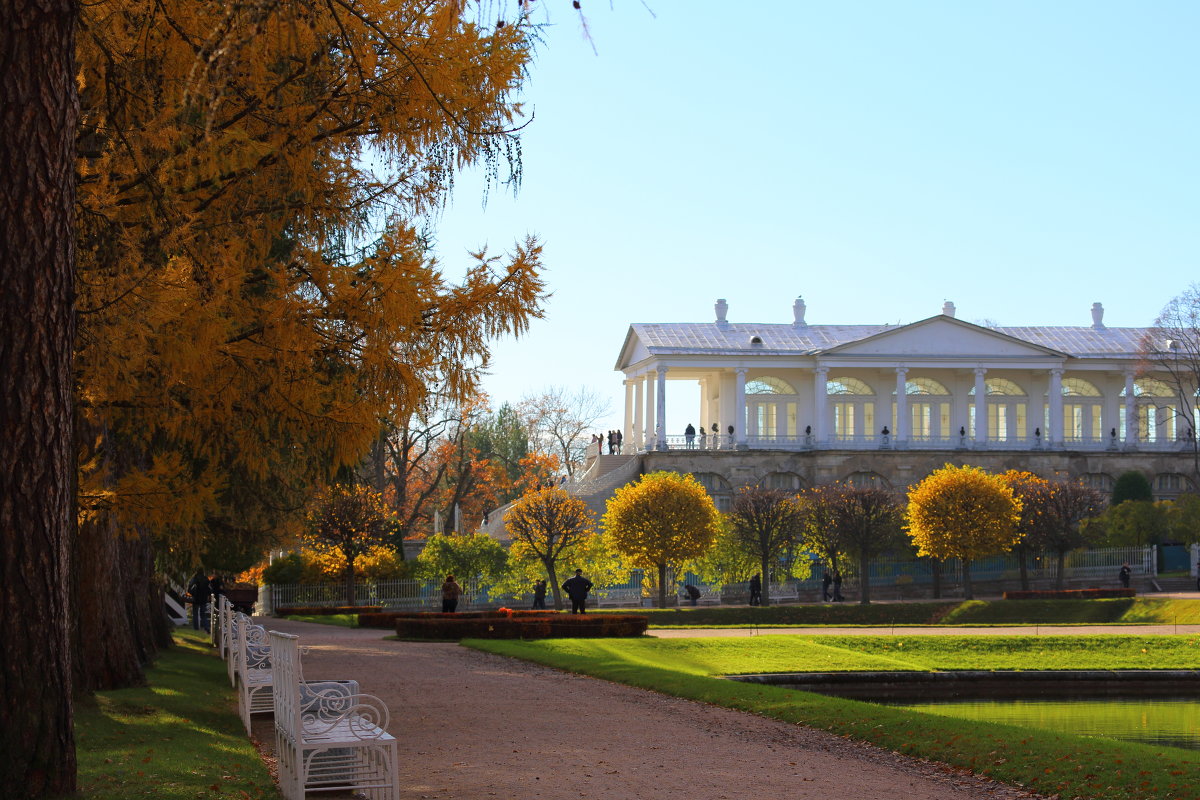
[(1169, 721)]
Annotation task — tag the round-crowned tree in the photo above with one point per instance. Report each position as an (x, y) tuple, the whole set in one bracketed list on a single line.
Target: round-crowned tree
[(964, 513), (661, 520)]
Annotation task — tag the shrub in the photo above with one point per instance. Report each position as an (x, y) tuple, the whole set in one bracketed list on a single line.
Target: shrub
[(1132, 485)]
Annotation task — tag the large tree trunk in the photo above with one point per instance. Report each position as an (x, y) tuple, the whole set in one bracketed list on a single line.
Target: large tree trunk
[(553, 573), (1024, 567), (968, 591), (39, 113), (1060, 576), (936, 573), (662, 585), (106, 656)]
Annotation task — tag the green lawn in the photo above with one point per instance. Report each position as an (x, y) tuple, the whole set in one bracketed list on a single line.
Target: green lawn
[(178, 738), (343, 620), (1051, 763), (1124, 611)]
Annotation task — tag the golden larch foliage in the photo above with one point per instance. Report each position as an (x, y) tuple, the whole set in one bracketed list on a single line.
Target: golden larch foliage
[(962, 512), (663, 518)]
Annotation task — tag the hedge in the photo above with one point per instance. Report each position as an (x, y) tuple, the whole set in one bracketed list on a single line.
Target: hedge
[(306, 611), (387, 619), (517, 625), (1070, 594)]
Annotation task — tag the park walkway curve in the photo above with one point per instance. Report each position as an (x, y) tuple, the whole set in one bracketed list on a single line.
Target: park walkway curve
[(473, 725)]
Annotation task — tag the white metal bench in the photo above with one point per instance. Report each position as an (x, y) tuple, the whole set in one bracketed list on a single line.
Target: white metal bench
[(253, 673), (326, 739)]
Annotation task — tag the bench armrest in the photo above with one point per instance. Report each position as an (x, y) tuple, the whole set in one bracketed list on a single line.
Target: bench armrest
[(365, 715)]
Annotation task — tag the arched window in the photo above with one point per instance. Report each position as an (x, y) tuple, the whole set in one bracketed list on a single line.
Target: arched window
[(864, 478), (1099, 481), (848, 386), (768, 384), (1000, 387), (1082, 411), (1007, 410), (1168, 485), (788, 481), (928, 409), (924, 386), (853, 408), (717, 487), (1157, 411), (1078, 387)]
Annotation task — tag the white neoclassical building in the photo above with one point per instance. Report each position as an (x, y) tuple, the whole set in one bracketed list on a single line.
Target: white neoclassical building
[(939, 385)]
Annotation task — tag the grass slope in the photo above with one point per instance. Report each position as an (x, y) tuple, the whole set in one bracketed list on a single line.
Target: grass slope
[(1051, 763), (1123, 611), (178, 738)]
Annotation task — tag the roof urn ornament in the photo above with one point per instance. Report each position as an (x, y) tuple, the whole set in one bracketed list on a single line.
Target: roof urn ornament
[(798, 309), (1097, 316), (948, 308), (722, 308)]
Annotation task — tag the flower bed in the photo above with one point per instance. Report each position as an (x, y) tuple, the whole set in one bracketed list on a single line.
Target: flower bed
[(1070, 594), (506, 624), (287, 611)]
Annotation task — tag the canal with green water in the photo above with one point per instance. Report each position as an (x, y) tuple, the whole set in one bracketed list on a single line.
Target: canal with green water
[(1164, 721)]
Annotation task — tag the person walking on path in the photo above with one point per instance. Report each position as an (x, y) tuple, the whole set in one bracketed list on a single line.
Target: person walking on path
[(200, 590), (837, 586), (539, 594), (577, 589), (451, 591), (1124, 574), (756, 590), (826, 580)]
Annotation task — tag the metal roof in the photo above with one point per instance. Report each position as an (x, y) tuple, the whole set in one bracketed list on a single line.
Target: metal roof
[(734, 338)]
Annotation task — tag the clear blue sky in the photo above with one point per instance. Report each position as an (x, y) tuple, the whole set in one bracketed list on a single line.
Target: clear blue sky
[(1023, 159)]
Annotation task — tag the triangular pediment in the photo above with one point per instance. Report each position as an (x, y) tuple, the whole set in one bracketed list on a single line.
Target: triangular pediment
[(946, 337), (632, 351)]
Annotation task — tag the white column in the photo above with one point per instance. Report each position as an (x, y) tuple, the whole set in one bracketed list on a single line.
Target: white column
[(660, 416), (629, 412), (1131, 420), (704, 415), (903, 421), (650, 406), (981, 420), (739, 425), (1055, 433), (820, 379), (639, 407)]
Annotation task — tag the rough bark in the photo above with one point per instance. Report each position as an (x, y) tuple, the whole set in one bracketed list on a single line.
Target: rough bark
[(968, 590), (864, 576), (38, 117)]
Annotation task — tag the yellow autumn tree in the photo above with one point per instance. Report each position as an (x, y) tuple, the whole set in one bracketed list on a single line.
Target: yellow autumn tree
[(549, 524), (964, 513), (254, 292), (661, 520)]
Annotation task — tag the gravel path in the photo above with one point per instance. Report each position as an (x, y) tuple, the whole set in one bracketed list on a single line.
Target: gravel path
[(474, 725)]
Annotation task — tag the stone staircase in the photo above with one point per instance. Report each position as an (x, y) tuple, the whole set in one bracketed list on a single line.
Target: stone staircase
[(1160, 584), (611, 473), (605, 474)]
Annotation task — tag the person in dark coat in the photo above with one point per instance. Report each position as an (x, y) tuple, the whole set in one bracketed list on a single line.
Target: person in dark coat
[(826, 580), (1124, 575), (837, 587), (693, 593), (756, 590), (201, 591), (689, 436), (451, 591), (577, 589), (539, 594)]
